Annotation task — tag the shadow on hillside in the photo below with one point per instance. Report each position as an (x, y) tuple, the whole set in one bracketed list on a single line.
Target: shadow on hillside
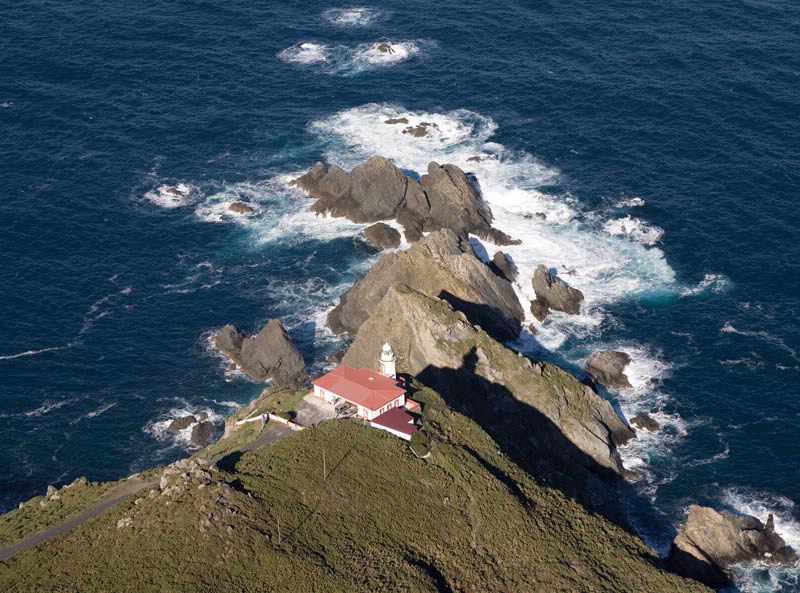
[(532, 441), (490, 319)]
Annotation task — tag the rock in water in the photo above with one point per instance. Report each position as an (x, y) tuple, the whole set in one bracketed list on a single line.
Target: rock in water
[(711, 541), (241, 208), (382, 236), (421, 130), (440, 265), (524, 401), (555, 293), (643, 421), (608, 368), (181, 423), (268, 355), (444, 198), (502, 265), (201, 433), (372, 191), (540, 309)]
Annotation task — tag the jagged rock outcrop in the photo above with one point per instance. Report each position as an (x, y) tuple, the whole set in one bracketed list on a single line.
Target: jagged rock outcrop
[(552, 293), (534, 402), (180, 423), (270, 354), (440, 265), (711, 541), (443, 198), (503, 266), (382, 236), (201, 432), (607, 367), (644, 421)]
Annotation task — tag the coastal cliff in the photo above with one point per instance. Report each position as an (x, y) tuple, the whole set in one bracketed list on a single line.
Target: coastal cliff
[(344, 507), (476, 373), (440, 265)]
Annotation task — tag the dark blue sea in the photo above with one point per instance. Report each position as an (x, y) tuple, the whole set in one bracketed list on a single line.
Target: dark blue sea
[(660, 139)]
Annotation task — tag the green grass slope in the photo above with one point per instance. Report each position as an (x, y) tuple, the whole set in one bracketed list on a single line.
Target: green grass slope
[(343, 507)]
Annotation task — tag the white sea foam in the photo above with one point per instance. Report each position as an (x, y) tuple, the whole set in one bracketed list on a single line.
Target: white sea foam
[(357, 16), (635, 228), (172, 196), (383, 53), (758, 577), (158, 427), (762, 335), (646, 373), (305, 53), (715, 283), (95, 312), (47, 406), (634, 202), (347, 60), (94, 413), (606, 268)]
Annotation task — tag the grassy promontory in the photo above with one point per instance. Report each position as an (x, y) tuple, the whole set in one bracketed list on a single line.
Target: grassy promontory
[(343, 507)]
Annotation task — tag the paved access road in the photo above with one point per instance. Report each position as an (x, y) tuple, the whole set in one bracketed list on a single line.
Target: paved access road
[(124, 490), (131, 486)]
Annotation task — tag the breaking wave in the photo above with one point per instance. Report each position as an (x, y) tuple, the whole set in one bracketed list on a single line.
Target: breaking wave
[(347, 60)]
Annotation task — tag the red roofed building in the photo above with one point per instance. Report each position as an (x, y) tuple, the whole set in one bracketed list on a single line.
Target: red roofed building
[(397, 421), (370, 392)]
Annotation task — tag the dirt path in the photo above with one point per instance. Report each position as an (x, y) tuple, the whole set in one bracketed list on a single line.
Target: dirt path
[(124, 490)]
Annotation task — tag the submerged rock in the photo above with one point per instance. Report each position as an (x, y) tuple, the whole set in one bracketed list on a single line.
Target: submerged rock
[(385, 48), (268, 355), (552, 292), (382, 236), (181, 423), (536, 404), (396, 120), (440, 265), (608, 368), (711, 541), (443, 198), (644, 421)]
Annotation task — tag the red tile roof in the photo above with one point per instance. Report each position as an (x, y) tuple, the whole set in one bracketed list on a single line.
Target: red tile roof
[(361, 386), (397, 419)]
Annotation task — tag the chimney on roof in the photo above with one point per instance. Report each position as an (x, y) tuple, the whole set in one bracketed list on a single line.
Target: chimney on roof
[(388, 362)]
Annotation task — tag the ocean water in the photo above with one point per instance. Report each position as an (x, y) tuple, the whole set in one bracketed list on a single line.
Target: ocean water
[(660, 140)]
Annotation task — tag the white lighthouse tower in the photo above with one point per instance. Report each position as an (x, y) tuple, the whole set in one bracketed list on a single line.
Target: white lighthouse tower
[(388, 362)]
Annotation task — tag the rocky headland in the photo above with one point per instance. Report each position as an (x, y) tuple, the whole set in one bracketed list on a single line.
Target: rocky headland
[(444, 198), (711, 541), (520, 451), (441, 265)]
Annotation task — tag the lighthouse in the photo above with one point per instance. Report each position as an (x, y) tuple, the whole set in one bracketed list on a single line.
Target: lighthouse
[(388, 362)]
